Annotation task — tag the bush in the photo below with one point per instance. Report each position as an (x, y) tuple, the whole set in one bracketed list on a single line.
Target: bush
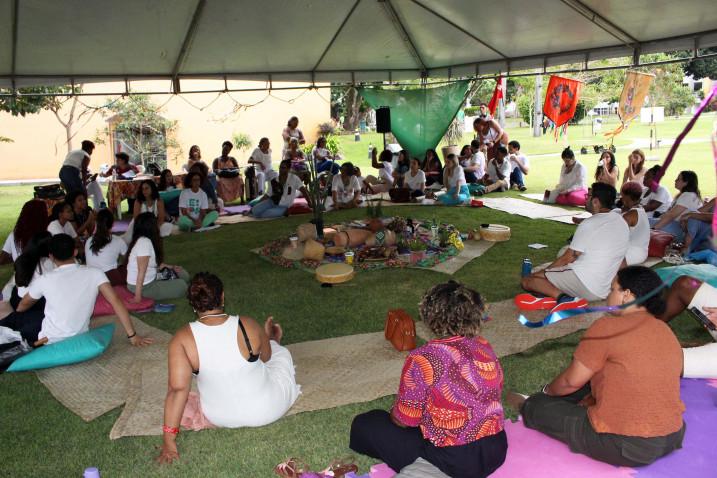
[(328, 128), (472, 110), (241, 141), (525, 107)]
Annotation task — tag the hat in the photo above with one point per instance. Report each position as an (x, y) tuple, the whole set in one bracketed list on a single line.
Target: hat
[(122, 155)]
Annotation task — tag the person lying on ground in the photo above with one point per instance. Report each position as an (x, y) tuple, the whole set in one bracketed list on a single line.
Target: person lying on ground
[(619, 400), (283, 190), (688, 200), (655, 202), (448, 410), (455, 183), (636, 219), (32, 219), (244, 376), (194, 205), (584, 272), (346, 188), (520, 166), (384, 164), (105, 251), (70, 292), (572, 188), (147, 274)]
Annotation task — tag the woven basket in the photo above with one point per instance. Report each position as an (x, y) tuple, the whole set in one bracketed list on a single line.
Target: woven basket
[(334, 273), (495, 233)]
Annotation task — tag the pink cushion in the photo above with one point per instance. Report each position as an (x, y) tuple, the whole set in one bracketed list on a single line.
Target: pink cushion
[(659, 242), (299, 206), (102, 307)]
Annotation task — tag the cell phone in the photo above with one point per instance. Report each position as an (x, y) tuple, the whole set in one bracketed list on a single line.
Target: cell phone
[(702, 318)]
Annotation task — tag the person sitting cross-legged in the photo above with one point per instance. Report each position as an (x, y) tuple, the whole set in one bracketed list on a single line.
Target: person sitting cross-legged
[(454, 180), (571, 190), (244, 376), (520, 165), (619, 400), (448, 409), (346, 188), (194, 205), (498, 172), (636, 218), (584, 272), (70, 292), (283, 190)]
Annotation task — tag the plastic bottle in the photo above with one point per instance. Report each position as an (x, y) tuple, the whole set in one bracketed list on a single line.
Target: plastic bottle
[(91, 472), (370, 151), (527, 267)]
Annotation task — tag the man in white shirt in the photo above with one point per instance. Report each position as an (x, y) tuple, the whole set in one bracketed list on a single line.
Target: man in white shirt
[(655, 202), (586, 269), (262, 169), (520, 166), (76, 161), (70, 292), (498, 172), (474, 168)]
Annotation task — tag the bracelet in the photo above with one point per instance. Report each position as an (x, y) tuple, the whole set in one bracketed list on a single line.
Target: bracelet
[(134, 334), (172, 430)]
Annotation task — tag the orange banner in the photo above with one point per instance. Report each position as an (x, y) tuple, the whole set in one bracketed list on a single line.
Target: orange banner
[(561, 99), (637, 85)]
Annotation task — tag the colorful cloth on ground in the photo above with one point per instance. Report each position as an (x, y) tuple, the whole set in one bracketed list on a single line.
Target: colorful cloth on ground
[(451, 388), (561, 99)]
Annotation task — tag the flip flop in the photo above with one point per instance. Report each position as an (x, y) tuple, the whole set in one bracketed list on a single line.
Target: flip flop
[(530, 302), (575, 303)]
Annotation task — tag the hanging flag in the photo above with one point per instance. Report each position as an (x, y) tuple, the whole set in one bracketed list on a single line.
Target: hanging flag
[(497, 95), (561, 99), (634, 92)]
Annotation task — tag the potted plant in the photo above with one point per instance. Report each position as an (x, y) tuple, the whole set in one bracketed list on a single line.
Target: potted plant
[(374, 210), (453, 136), (418, 250)]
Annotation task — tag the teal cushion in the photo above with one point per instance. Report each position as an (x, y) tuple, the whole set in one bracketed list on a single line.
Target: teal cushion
[(703, 272), (169, 195), (73, 350)]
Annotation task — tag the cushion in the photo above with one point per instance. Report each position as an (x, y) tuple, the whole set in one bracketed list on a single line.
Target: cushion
[(659, 242), (76, 349), (300, 206), (704, 272), (102, 307)]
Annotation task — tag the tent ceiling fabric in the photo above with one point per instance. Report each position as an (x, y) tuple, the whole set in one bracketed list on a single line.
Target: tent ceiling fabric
[(331, 40)]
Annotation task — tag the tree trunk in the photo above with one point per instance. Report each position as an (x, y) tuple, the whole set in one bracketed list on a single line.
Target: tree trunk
[(352, 109)]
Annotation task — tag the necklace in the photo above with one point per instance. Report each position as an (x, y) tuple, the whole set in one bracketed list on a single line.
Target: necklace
[(212, 315)]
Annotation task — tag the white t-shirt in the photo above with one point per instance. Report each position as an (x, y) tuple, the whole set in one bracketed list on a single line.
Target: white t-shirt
[(106, 259), (504, 169), (70, 291), (457, 179), (75, 158), (386, 173), (662, 195), (602, 240), (320, 154), (10, 247), (477, 159), (292, 187), (56, 228), (193, 202), (521, 157), (415, 182), (263, 158), (690, 201), (639, 239), (575, 180), (345, 193), (142, 248), (43, 267)]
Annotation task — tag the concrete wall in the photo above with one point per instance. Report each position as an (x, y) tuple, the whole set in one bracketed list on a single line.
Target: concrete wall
[(39, 141)]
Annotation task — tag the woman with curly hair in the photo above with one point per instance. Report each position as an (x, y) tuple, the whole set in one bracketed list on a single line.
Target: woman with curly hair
[(619, 399), (33, 218), (448, 409), (244, 377)]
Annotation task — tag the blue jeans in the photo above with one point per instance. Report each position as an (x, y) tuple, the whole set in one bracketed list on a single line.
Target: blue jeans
[(463, 196), (701, 234), (267, 208), (471, 177), (516, 177), (71, 179), (327, 165), (671, 228)]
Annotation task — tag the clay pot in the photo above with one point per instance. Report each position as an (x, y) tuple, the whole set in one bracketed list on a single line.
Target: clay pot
[(314, 250)]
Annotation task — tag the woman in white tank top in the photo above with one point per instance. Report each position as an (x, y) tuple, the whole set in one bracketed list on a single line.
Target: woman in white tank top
[(245, 378), (636, 219), (148, 200)]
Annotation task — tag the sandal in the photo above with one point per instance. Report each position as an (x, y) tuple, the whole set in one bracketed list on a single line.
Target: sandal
[(291, 468), (340, 467)]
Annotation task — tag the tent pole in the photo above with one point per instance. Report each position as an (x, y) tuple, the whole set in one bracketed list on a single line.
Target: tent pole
[(15, 15), (393, 16), (333, 38), (188, 36), (601, 22)]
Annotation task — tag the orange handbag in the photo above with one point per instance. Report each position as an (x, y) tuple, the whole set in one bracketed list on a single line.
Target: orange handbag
[(400, 330)]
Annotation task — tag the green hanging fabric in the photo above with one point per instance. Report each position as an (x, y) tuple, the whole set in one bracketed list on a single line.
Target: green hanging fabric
[(421, 116)]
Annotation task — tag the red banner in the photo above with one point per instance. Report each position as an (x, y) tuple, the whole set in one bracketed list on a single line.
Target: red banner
[(561, 99), (497, 95)]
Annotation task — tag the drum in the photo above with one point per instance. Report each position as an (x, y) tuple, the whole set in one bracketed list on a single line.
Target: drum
[(494, 232), (334, 273)]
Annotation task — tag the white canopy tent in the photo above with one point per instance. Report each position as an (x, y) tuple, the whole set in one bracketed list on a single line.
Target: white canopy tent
[(347, 41)]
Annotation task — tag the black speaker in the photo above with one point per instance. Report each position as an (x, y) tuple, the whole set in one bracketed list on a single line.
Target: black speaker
[(383, 120)]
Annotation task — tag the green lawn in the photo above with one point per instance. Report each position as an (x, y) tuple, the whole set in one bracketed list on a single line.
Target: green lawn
[(42, 438)]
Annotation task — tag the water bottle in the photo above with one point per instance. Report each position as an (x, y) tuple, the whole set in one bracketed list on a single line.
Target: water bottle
[(370, 151), (527, 267), (91, 473)]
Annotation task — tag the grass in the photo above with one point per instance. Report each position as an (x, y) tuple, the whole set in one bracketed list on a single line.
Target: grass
[(42, 438)]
